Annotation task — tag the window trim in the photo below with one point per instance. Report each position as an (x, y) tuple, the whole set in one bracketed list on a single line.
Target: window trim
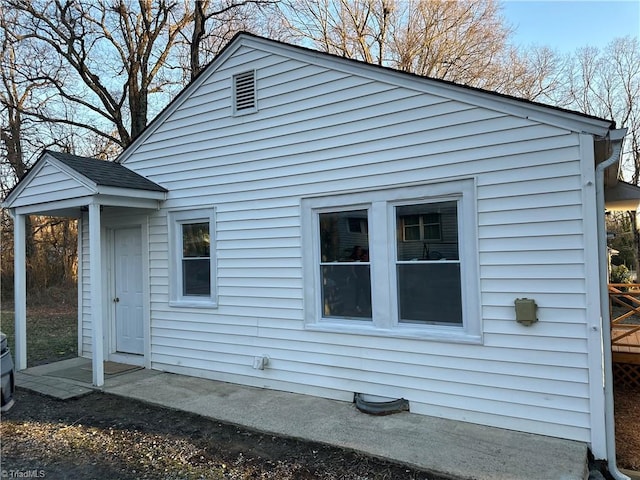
[(381, 205), (175, 219)]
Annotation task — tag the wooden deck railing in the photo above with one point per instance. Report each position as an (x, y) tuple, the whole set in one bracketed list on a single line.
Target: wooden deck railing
[(624, 296)]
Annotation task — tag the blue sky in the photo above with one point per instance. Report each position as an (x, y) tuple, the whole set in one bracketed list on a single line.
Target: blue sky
[(571, 24)]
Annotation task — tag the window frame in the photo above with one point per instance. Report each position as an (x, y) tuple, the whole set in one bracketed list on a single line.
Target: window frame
[(423, 261), (177, 218), (383, 233), (351, 208)]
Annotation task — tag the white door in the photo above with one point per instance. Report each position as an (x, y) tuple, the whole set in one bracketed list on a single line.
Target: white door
[(128, 291)]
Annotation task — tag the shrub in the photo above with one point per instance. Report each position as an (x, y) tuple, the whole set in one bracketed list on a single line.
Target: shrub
[(620, 274)]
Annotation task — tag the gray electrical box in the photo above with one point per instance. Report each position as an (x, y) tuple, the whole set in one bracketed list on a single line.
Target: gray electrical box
[(526, 311)]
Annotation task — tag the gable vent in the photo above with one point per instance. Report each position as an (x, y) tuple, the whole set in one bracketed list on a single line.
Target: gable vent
[(244, 86)]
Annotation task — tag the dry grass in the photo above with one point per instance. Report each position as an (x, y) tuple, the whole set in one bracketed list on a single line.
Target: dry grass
[(52, 332)]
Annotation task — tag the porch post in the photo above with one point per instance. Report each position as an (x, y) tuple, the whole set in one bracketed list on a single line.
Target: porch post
[(95, 273), (20, 290)]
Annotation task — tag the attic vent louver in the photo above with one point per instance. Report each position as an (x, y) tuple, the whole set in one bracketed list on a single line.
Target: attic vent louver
[(244, 86)]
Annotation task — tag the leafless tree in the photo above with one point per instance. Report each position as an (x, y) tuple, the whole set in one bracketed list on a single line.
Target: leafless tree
[(116, 55), (534, 73), (19, 140), (606, 83), (458, 41), (215, 23), (13, 96), (461, 41), (357, 29), (122, 58)]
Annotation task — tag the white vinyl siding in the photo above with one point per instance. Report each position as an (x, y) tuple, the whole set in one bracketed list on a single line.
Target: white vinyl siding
[(321, 131), (49, 185), (84, 284)]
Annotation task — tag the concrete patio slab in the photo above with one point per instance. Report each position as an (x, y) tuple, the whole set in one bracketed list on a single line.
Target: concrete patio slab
[(448, 448)]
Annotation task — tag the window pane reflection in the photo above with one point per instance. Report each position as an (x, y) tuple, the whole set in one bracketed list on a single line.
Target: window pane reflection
[(345, 267), (195, 239), (196, 274), (196, 263), (346, 291), (430, 293), (427, 231), (339, 242)]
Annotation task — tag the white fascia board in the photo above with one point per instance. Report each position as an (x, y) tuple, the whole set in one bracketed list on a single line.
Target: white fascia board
[(42, 162), (107, 200), (126, 202), (130, 193), (22, 184), (44, 208)]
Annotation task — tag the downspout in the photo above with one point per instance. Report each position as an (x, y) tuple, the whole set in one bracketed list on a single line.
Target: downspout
[(616, 137)]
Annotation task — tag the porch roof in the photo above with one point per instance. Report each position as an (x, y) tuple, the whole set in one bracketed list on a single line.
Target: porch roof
[(107, 173), (59, 184), (622, 196)]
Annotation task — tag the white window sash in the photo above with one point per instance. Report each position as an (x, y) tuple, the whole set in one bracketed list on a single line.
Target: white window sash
[(177, 218), (383, 261)]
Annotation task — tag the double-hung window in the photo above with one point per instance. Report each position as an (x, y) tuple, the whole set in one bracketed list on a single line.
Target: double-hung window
[(192, 281), (410, 271), (428, 267)]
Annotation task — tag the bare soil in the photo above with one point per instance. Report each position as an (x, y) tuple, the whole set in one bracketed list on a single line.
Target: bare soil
[(627, 415), (101, 436)]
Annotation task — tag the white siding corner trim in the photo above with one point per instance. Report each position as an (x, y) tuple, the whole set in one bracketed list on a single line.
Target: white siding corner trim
[(177, 296), (382, 230), (592, 283)]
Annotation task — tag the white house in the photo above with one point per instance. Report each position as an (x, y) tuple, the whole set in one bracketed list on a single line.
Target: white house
[(299, 221)]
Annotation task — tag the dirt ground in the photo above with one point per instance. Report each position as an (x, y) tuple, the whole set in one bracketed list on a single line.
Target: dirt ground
[(107, 437), (627, 415), (102, 436)]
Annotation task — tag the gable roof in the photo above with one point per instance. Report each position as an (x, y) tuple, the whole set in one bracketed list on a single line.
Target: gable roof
[(552, 115), (109, 174), (58, 183)]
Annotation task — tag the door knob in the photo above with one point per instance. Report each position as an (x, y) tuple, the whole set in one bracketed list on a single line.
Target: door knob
[(116, 300)]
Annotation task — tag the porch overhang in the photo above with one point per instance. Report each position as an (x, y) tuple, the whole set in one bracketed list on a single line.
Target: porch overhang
[(63, 185), (74, 206), (622, 197), (618, 195)]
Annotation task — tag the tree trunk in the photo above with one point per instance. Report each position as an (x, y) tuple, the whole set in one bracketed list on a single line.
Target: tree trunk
[(198, 33)]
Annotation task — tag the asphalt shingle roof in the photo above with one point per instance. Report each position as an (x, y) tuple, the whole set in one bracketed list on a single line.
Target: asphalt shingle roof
[(106, 173)]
